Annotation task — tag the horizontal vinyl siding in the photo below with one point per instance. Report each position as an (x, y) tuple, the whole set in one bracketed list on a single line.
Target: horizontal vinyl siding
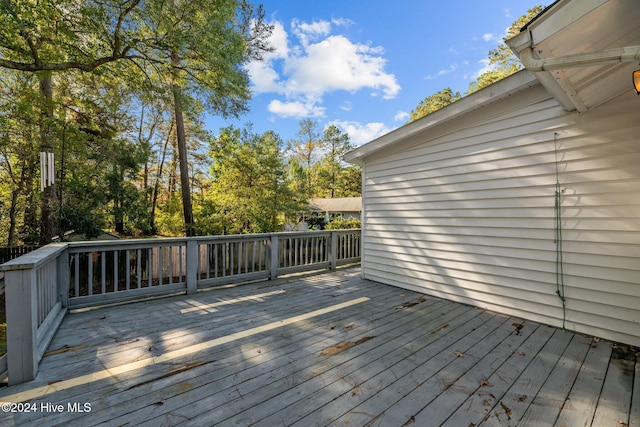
[(466, 212)]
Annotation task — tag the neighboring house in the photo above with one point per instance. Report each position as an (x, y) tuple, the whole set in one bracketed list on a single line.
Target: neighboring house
[(339, 207), (461, 203), (75, 236)]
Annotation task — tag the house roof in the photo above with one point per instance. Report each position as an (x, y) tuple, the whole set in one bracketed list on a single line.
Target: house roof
[(583, 52), (496, 92), (553, 46), (337, 204)]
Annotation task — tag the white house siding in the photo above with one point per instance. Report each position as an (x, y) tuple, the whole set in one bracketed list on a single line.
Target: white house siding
[(465, 211)]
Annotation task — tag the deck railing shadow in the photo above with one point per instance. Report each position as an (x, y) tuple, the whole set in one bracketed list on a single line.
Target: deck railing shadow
[(41, 286)]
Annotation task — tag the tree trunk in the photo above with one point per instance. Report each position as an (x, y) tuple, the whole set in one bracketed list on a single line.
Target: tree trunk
[(156, 186), (184, 165), (48, 200), (29, 228)]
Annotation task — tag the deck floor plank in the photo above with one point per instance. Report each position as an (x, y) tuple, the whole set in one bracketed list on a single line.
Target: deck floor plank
[(634, 413), (399, 376), (401, 401), (113, 390), (580, 405), (251, 402), (521, 392), (238, 376), (365, 374), (469, 399), (614, 404), (311, 351), (549, 400)]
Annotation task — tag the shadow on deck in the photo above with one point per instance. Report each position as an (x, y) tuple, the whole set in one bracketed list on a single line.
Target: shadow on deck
[(325, 349)]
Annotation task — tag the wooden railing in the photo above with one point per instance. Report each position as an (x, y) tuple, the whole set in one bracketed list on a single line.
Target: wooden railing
[(11, 252), (42, 285)]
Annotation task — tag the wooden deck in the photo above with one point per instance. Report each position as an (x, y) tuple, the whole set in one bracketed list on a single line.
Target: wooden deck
[(327, 349)]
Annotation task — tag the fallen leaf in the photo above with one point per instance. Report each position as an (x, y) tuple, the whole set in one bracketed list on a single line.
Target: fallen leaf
[(459, 354), (337, 348), (506, 410), (411, 420), (522, 398), (411, 303), (622, 423), (342, 346), (485, 382), (440, 328), (520, 353)]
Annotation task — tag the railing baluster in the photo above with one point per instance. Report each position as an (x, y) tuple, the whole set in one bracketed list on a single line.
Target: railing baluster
[(180, 263), (127, 269), (139, 267), (76, 279), (207, 252), (170, 265), (215, 259), (90, 272), (103, 272), (150, 267), (115, 271)]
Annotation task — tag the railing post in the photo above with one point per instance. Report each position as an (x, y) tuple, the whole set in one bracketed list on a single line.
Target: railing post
[(192, 266), (333, 253), (22, 325), (274, 262), (63, 278)]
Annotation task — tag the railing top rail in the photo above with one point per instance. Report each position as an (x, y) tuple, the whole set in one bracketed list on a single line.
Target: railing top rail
[(42, 255), (35, 258), (128, 242)]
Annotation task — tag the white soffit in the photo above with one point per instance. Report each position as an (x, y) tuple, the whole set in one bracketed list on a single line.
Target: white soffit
[(582, 51)]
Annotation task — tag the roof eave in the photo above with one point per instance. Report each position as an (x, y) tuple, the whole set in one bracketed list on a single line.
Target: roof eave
[(486, 96)]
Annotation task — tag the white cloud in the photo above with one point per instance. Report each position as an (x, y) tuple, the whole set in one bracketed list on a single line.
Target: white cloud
[(346, 106), (488, 37), (401, 116), (451, 69), (361, 133), (321, 63), (307, 32), (336, 63), (295, 109)]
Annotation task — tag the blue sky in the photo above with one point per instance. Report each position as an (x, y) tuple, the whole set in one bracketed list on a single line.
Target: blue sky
[(364, 65)]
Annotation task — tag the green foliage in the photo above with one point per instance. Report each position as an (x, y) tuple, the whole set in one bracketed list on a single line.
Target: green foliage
[(333, 175), (114, 67), (316, 168), (434, 102), (249, 191), (343, 223)]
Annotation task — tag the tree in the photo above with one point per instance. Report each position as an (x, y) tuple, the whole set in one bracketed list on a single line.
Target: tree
[(502, 58), (249, 190), (434, 102), (305, 149), (196, 48), (331, 171)]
